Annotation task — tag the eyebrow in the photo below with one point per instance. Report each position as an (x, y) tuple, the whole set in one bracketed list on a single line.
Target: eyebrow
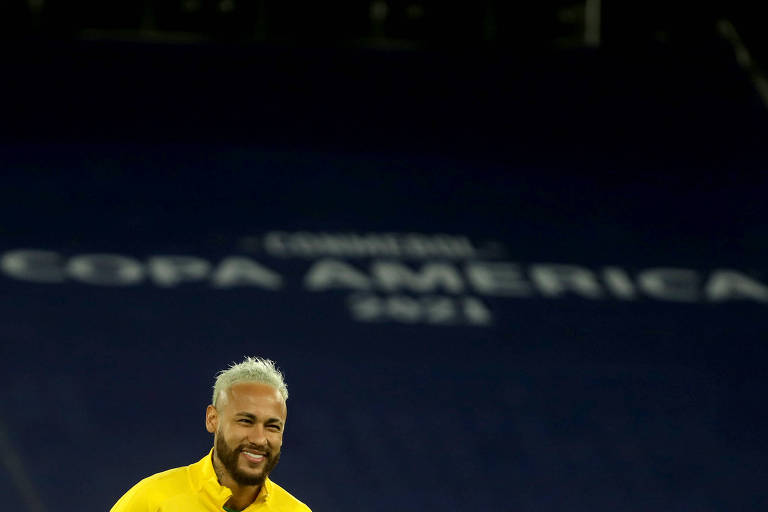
[(253, 417)]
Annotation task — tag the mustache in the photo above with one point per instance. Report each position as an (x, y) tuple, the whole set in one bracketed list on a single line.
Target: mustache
[(252, 447)]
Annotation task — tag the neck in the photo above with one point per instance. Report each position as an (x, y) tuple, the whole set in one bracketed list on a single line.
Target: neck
[(242, 495)]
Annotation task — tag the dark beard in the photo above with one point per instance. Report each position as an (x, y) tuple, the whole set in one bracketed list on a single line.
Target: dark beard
[(229, 458)]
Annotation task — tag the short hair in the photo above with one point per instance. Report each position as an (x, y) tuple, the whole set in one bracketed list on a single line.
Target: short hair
[(252, 369)]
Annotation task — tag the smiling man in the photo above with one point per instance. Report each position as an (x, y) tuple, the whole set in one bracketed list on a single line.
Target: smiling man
[(247, 419)]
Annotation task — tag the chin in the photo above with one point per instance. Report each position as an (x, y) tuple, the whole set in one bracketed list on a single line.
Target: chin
[(250, 473)]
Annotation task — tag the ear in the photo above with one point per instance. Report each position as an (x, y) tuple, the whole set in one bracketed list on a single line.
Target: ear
[(211, 419)]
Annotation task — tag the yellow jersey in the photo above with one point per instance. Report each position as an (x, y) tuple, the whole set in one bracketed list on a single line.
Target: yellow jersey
[(195, 488)]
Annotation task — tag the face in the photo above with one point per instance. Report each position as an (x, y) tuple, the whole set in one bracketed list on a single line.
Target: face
[(248, 431)]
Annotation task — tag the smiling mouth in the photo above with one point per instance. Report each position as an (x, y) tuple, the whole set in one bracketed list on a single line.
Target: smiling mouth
[(253, 457)]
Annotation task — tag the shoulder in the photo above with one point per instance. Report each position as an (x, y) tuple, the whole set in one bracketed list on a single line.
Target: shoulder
[(285, 500), (154, 490)]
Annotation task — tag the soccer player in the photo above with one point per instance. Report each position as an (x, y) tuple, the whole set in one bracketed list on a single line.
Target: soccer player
[(246, 418)]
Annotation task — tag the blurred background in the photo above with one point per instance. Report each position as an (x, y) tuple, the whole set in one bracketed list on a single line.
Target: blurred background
[(509, 257)]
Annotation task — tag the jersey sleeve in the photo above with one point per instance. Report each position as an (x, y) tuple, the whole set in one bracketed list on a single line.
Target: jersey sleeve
[(135, 500)]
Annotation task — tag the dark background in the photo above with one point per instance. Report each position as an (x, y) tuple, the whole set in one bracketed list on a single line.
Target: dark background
[(180, 128)]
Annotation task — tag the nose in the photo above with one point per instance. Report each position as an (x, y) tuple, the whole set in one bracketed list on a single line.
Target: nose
[(257, 435)]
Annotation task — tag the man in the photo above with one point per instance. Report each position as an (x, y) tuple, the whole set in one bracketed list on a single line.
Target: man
[(247, 419)]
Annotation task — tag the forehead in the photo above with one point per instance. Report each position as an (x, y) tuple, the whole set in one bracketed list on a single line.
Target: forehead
[(255, 398)]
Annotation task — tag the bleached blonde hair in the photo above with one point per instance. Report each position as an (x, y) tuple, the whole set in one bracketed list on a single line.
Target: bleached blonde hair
[(252, 369)]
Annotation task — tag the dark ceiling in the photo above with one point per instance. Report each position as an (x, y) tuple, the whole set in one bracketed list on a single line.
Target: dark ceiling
[(486, 23)]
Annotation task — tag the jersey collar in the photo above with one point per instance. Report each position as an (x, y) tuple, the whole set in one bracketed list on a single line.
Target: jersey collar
[(208, 484)]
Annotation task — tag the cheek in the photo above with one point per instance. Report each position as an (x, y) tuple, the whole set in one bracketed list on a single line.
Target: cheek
[(229, 435)]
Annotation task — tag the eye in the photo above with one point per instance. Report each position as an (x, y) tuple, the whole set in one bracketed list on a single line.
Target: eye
[(245, 421), (274, 428)]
